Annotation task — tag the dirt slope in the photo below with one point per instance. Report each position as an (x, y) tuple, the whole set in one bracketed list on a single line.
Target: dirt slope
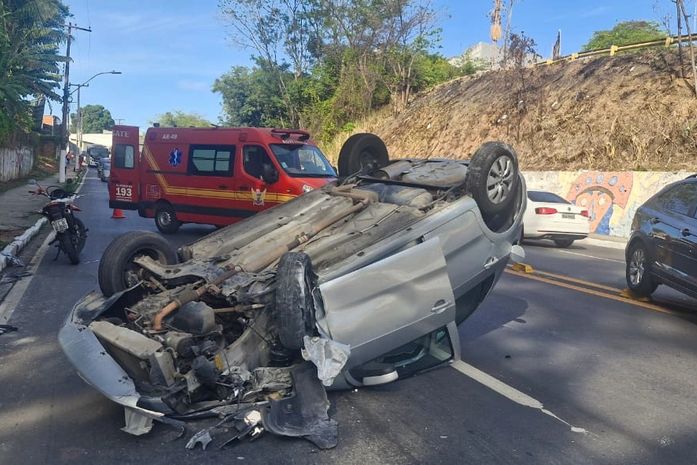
[(612, 113)]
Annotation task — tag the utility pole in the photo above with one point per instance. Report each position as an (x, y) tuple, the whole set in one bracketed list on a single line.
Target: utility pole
[(65, 139)]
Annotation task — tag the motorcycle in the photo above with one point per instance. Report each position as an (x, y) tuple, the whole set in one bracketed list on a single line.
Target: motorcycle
[(71, 233)]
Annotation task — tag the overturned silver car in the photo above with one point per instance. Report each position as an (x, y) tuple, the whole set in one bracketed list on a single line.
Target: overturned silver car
[(359, 283)]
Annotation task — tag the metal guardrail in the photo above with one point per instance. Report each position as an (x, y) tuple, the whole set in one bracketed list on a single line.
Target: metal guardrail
[(666, 42)]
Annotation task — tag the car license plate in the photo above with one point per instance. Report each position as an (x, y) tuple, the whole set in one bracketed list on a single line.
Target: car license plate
[(60, 225), (568, 216)]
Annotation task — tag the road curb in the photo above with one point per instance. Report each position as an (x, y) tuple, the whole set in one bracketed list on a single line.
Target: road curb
[(608, 243)]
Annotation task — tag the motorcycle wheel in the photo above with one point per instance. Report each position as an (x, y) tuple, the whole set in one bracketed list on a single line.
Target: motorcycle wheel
[(68, 247), (80, 235)]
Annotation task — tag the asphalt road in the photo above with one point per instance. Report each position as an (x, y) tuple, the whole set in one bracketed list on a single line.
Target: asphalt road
[(569, 373)]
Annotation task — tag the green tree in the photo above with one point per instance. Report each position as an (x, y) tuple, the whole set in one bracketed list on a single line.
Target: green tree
[(180, 119), (95, 119), (251, 98), (625, 33), (30, 34)]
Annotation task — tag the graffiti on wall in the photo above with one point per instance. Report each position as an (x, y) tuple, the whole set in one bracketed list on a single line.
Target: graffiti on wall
[(600, 192)]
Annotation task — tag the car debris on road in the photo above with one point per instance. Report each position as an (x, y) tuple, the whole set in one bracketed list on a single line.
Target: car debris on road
[(353, 284)]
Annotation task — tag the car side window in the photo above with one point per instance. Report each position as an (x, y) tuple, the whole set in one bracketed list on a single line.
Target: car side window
[(254, 157), (681, 199), (211, 160)]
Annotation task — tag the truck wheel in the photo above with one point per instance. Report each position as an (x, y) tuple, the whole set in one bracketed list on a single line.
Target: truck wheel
[(166, 219), (116, 268), (638, 271), (492, 178), (362, 153), (294, 304)]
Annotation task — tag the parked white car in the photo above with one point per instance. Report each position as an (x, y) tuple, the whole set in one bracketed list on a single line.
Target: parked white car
[(549, 216)]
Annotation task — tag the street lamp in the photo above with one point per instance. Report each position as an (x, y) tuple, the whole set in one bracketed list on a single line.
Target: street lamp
[(79, 114)]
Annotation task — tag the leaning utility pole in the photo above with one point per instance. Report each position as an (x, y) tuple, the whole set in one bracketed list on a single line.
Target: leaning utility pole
[(65, 139)]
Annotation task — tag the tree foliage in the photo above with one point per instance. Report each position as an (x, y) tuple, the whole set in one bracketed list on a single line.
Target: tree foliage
[(322, 64), (95, 119), (180, 119), (625, 33), (30, 34)]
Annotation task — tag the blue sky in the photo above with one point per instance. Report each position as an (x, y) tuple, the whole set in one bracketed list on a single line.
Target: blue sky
[(171, 51)]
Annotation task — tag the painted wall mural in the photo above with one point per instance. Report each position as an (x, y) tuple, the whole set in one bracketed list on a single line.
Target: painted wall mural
[(611, 197), (600, 192)]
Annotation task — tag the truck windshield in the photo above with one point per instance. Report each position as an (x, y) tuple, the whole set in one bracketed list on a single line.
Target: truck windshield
[(302, 160)]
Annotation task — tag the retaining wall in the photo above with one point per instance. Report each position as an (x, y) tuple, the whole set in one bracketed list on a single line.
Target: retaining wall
[(15, 163), (611, 197)]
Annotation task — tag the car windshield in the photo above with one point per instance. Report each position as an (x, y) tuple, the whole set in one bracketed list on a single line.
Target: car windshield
[(542, 196), (302, 160)]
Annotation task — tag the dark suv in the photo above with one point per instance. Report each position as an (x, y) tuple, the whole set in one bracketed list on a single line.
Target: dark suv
[(662, 248)]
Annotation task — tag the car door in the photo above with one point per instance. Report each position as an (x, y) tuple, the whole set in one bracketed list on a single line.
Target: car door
[(390, 303), (674, 231)]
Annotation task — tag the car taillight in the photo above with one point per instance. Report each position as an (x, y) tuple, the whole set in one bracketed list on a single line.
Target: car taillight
[(585, 213), (545, 211)]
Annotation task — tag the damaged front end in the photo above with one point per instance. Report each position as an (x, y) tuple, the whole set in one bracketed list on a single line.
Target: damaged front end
[(190, 371)]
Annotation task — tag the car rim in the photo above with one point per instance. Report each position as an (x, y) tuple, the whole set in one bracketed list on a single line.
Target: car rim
[(636, 267), (499, 180), (165, 218)]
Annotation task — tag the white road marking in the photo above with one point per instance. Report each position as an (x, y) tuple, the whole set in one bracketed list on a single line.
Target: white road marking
[(590, 256), (15, 295), (508, 391)]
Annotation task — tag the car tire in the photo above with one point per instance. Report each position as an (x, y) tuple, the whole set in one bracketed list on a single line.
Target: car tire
[(166, 219), (116, 268), (563, 243), (494, 165), (362, 154), (294, 303), (638, 271)]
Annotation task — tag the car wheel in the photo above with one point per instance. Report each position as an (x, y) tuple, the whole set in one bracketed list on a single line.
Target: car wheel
[(492, 178), (638, 271), (563, 243), (166, 219), (362, 154), (116, 268), (294, 303)]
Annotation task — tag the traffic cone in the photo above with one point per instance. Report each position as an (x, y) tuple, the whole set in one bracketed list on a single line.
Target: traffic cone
[(118, 214)]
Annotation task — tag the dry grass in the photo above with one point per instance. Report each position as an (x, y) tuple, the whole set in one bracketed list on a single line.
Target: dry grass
[(627, 112)]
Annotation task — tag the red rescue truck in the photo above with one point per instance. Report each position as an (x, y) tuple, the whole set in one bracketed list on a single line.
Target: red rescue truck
[(211, 175)]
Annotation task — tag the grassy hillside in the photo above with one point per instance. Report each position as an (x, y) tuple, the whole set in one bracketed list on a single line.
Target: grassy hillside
[(611, 113)]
